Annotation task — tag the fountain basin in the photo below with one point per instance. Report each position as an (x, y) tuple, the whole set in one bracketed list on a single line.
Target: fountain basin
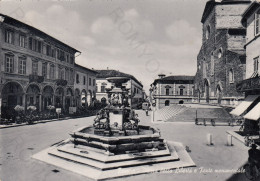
[(147, 139), (118, 81)]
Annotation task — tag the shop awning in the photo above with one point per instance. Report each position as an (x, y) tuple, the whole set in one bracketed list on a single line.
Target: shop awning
[(254, 114), (242, 107)]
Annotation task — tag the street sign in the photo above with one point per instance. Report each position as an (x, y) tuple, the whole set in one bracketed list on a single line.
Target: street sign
[(58, 110)]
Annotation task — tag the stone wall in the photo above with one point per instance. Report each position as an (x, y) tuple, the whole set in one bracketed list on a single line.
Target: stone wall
[(229, 16)]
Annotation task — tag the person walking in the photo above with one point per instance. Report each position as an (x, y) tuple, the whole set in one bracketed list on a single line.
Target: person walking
[(146, 111)]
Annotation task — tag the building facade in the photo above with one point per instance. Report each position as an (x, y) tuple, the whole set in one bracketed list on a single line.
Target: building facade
[(134, 86), (251, 85), (222, 57), (170, 90), (36, 69), (85, 86)]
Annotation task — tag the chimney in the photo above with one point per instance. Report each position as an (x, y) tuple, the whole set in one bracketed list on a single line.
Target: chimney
[(161, 76)]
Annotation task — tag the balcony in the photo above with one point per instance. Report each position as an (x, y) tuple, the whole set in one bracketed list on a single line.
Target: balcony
[(61, 82), (248, 84), (36, 78)]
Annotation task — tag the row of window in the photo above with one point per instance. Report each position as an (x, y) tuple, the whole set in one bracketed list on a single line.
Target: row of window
[(136, 90), (180, 92), (84, 80), (37, 45), (68, 74), (9, 68)]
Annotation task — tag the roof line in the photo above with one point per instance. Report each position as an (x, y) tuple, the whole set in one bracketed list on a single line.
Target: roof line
[(248, 12), (35, 29), (211, 4), (129, 75), (81, 66)]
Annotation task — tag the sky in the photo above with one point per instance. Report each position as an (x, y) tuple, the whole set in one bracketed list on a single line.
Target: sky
[(139, 37)]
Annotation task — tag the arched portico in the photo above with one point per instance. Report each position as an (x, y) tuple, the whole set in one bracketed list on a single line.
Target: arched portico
[(12, 95), (33, 96), (103, 100), (89, 97), (84, 98), (68, 98), (59, 97), (47, 96), (77, 98)]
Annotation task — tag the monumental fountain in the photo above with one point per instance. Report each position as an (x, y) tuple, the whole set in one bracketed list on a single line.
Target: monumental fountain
[(116, 145)]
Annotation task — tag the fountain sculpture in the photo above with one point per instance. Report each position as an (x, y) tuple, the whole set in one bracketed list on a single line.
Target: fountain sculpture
[(117, 117), (116, 145)]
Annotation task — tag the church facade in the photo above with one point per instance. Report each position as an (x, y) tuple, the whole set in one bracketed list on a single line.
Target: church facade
[(222, 58)]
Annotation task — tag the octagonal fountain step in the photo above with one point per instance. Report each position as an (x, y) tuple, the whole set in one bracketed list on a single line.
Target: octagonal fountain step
[(115, 171), (119, 163), (104, 156)]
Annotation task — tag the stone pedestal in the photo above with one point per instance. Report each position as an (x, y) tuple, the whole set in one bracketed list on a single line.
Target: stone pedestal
[(116, 119)]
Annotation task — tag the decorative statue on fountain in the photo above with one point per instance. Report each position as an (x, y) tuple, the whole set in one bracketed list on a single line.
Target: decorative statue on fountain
[(117, 117)]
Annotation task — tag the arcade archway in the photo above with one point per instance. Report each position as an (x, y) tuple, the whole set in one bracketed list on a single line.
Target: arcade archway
[(77, 98), (33, 96), (13, 94), (68, 98), (59, 97), (89, 97), (47, 96), (83, 98), (103, 100)]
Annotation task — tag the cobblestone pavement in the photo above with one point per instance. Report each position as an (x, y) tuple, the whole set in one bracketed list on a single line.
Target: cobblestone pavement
[(19, 143)]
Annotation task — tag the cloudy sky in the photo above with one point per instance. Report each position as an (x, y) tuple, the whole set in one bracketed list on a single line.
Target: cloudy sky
[(140, 37)]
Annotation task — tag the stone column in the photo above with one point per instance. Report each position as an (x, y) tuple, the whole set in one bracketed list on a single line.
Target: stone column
[(25, 105), (16, 64), (40, 102), (40, 68), (63, 102), (174, 89), (79, 99), (188, 91), (24, 100), (53, 100), (48, 71)]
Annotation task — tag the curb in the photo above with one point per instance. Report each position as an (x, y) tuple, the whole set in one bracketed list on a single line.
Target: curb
[(42, 121), (36, 122)]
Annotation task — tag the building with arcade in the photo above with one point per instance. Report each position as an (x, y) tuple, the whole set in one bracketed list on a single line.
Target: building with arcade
[(36, 68), (85, 86)]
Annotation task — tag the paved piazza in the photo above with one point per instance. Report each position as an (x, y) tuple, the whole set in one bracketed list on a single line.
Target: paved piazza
[(18, 144)]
